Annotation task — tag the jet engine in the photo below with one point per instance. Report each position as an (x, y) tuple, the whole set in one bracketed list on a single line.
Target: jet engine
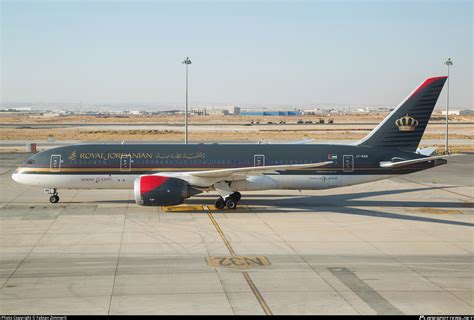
[(155, 190)]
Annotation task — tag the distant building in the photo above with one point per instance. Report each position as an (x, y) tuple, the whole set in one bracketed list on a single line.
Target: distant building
[(464, 112), (23, 109), (234, 110), (209, 110), (50, 114), (199, 111), (19, 111), (312, 112), (269, 113), (370, 110), (222, 112)]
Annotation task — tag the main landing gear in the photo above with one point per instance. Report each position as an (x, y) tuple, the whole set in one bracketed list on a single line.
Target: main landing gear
[(229, 201), (55, 197)]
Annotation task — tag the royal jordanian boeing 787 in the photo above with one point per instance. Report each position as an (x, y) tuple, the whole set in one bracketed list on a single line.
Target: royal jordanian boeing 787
[(166, 174)]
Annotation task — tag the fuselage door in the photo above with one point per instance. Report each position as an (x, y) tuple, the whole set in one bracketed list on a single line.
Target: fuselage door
[(348, 163), (258, 160), (55, 163), (125, 162)]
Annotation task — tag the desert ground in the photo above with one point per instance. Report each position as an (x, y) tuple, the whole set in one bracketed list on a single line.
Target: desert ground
[(214, 128)]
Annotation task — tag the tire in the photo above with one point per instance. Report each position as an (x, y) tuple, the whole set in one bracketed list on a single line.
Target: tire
[(231, 203), (54, 199), (219, 204), (237, 196)]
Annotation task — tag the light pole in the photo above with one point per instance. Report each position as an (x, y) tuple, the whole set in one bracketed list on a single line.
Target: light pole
[(449, 63), (186, 62)]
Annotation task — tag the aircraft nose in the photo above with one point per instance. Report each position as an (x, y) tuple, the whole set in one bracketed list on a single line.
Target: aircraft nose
[(16, 176)]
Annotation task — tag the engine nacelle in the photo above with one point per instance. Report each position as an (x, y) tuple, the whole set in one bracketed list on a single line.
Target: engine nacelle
[(155, 190)]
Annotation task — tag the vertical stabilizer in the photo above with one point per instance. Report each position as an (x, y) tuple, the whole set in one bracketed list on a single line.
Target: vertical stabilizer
[(404, 126)]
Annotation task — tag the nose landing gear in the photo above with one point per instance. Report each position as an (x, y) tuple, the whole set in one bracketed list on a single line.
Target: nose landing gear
[(55, 197), (229, 201)]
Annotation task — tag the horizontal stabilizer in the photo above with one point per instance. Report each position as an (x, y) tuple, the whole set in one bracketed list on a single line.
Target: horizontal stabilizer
[(426, 151), (389, 164)]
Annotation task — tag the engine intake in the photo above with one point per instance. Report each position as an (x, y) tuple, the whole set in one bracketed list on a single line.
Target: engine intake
[(155, 190)]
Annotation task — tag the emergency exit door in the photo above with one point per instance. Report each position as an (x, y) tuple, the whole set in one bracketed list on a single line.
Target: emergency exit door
[(125, 162), (55, 163), (258, 160), (348, 163)]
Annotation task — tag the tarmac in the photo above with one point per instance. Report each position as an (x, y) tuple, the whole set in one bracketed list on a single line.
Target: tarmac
[(398, 246)]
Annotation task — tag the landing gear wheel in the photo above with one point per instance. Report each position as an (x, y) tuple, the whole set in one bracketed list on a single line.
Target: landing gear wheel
[(220, 204), (54, 199), (237, 196), (231, 203)]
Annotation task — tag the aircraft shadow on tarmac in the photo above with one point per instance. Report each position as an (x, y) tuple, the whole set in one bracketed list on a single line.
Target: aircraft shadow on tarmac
[(338, 204)]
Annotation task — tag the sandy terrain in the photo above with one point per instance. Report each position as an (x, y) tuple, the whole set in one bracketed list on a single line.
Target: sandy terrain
[(346, 118), (283, 133), (236, 128)]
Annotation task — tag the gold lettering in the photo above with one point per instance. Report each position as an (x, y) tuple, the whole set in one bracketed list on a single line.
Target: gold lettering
[(141, 155)]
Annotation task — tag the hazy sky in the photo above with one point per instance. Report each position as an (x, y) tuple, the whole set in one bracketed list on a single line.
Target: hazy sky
[(265, 52)]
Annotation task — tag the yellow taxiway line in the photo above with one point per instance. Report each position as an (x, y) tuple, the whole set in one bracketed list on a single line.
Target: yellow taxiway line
[(249, 280)]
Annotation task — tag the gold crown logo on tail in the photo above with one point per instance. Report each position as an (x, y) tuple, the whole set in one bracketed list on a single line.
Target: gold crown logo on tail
[(406, 123)]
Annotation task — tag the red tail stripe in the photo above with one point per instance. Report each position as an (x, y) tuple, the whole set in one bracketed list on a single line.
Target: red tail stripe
[(148, 183), (427, 82)]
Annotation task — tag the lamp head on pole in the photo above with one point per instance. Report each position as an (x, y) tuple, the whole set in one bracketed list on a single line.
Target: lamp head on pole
[(449, 62), (187, 61)]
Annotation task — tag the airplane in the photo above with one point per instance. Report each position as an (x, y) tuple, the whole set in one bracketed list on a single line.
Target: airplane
[(167, 174)]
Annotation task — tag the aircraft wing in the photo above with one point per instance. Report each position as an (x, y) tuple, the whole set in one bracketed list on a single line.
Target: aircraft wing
[(222, 173), (389, 164), (210, 177)]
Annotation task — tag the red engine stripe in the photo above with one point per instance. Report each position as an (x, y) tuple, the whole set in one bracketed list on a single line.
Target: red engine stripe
[(148, 183)]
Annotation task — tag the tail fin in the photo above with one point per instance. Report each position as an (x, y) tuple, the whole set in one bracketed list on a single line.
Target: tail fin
[(404, 126)]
